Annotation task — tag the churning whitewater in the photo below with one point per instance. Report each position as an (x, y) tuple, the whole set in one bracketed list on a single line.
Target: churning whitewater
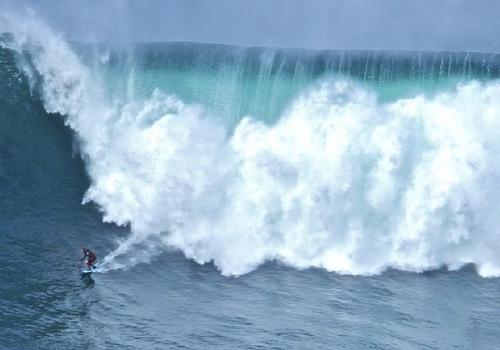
[(342, 179)]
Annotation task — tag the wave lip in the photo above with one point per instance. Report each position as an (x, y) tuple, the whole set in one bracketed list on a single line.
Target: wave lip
[(341, 181)]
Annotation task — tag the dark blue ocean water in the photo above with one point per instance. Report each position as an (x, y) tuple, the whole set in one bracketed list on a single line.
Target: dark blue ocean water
[(174, 303)]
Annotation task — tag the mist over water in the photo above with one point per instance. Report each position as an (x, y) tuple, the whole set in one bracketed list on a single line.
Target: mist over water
[(438, 25), (328, 173)]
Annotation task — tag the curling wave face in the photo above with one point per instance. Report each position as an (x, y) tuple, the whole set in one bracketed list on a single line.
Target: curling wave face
[(342, 180)]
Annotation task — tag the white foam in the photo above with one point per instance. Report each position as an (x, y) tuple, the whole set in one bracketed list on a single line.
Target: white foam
[(342, 181)]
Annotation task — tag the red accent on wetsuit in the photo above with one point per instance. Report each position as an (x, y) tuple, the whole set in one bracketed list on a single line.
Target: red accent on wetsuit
[(91, 258)]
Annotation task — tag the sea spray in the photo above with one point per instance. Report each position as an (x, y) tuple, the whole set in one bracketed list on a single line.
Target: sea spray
[(341, 181)]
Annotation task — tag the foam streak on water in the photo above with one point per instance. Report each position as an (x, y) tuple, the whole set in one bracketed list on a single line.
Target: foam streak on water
[(341, 181)]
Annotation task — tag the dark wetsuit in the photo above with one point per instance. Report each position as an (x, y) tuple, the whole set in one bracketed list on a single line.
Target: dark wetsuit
[(90, 258)]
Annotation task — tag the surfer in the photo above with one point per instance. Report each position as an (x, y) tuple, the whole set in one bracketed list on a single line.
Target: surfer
[(91, 257)]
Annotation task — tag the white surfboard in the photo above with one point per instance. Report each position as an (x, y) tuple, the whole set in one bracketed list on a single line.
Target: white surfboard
[(95, 269)]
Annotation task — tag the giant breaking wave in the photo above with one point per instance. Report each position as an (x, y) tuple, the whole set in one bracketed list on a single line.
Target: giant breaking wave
[(341, 181)]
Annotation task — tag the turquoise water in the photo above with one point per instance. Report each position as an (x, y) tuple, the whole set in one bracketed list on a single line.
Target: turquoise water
[(235, 82)]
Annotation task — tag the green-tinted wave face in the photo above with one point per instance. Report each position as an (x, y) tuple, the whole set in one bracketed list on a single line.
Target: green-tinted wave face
[(234, 82)]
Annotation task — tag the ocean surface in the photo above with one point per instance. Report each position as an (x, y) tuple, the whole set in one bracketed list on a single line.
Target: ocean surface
[(251, 198)]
